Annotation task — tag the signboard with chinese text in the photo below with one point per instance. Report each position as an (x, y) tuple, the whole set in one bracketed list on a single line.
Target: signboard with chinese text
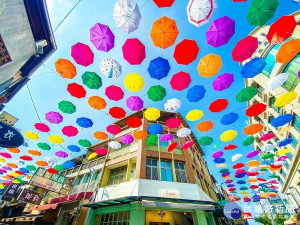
[(10, 137), (48, 181), (30, 196), (10, 192), (8, 119)]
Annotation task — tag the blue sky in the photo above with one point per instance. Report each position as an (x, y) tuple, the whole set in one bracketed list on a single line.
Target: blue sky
[(48, 88)]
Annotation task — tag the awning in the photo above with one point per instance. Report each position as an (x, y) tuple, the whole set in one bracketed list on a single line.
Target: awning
[(172, 205), (26, 219), (71, 197), (45, 207)]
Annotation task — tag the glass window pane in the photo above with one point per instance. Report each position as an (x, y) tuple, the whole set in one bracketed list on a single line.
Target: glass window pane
[(163, 175), (169, 175)]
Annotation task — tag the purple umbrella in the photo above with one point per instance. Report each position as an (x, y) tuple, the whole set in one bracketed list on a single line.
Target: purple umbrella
[(61, 154), (217, 154), (54, 117), (127, 139), (7, 168), (166, 137), (252, 154), (225, 174), (220, 31), (230, 185), (223, 81), (228, 181), (102, 37), (134, 103)]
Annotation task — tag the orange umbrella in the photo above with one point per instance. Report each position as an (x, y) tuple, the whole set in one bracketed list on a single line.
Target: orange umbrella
[(205, 126), (65, 68), (97, 102), (13, 150), (252, 180), (12, 165), (41, 163), (100, 135), (209, 65), (140, 134), (164, 32), (253, 129), (6, 177), (288, 51), (28, 176), (253, 163), (34, 152)]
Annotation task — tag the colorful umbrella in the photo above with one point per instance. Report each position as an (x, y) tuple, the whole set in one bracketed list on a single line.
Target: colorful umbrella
[(70, 131), (127, 15), (246, 94), (254, 67), (65, 68), (159, 68), (200, 11), (166, 137), (84, 122), (282, 120), (97, 102), (187, 145), (220, 31), (84, 143), (267, 136), (82, 54), (229, 118), (113, 129), (134, 103), (134, 51), (152, 140), (31, 135), (196, 93), (218, 105), (134, 122), (152, 114), (55, 139), (91, 80), (26, 158), (66, 107), (102, 37), (61, 154), (277, 81), (111, 68), (54, 117), (285, 99), (285, 142), (186, 52), (236, 157), (256, 109), (228, 135), (76, 90), (204, 141), (253, 129), (163, 3), (180, 81), (101, 151), (230, 147), (44, 146), (244, 49), (238, 165), (172, 105), (127, 139), (134, 82), (31, 167), (42, 127), (288, 51), (219, 154), (114, 145), (209, 65), (172, 146), (164, 32), (183, 132), (223, 82), (252, 154), (68, 164), (253, 163), (74, 148), (100, 135), (34, 152), (283, 151), (114, 93), (173, 122), (59, 168), (155, 129), (92, 156), (156, 93), (117, 112), (267, 147), (205, 126), (194, 115)]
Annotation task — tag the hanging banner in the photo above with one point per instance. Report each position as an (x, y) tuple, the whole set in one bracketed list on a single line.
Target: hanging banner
[(10, 137), (30, 196), (10, 192)]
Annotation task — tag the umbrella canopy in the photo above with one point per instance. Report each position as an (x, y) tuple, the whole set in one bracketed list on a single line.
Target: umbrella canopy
[(44, 146), (127, 15), (285, 142), (252, 154), (196, 93), (253, 129), (42, 127), (100, 135), (134, 82), (91, 80), (267, 136), (61, 154), (65, 68), (26, 158), (236, 157), (13, 150), (163, 3), (68, 164), (246, 94), (114, 145), (127, 139), (31, 135), (102, 37), (253, 163), (114, 93), (82, 54), (76, 90), (173, 122), (73, 148), (218, 105), (194, 115), (172, 146), (152, 114), (113, 129), (187, 145), (66, 107), (152, 140), (244, 49), (228, 135), (256, 109), (219, 154), (200, 11), (134, 103), (134, 51), (55, 139), (117, 112), (70, 131), (54, 117), (285, 99), (261, 11), (283, 151), (180, 81), (230, 147), (220, 31), (172, 105), (209, 65), (288, 51), (159, 68), (97, 102), (205, 126), (84, 143), (206, 140), (101, 151), (268, 147), (84, 122), (164, 32), (184, 132), (254, 67), (186, 52), (238, 165), (282, 120), (229, 118), (223, 82), (166, 137), (156, 93), (155, 129), (111, 68), (277, 81)]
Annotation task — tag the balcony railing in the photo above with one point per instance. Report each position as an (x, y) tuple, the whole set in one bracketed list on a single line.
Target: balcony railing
[(83, 187), (123, 151)]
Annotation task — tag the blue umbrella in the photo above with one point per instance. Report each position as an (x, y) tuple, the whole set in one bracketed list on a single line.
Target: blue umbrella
[(241, 182), (68, 164), (285, 142), (263, 185), (24, 170), (159, 68), (229, 118), (253, 67), (74, 148), (196, 93), (282, 120), (155, 129), (241, 175), (219, 160), (84, 122)]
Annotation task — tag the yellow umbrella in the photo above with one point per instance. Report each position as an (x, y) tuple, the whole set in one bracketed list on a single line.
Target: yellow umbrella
[(283, 151), (14, 174), (253, 163), (264, 195), (2, 160), (245, 193), (31, 135), (91, 156), (221, 165), (285, 99), (16, 182), (152, 114), (194, 115), (1, 186), (227, 177), (55, 139), (283, 130), (246, 196), (228, 135), (134, 82), (209, 65), (264, 167)]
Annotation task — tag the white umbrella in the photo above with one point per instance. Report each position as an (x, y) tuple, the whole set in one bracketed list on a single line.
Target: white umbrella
[(236, 157), (254, 169), (184, 132), (111, 68), (127, 15), (280, 163), (200, 11), (114, 145), (267, 147), (277, 81), (50, 160), (172, 105)]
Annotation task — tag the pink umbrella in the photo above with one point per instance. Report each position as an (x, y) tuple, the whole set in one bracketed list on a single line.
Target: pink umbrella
[(82, 54), (240, 171), (180, 81), (166, 137), (102, 37), (54, 117), (228, 181), (267, 136), (42, 127), (217, 154), (223, 82), (70, 131), (113, 129), (187, 145), (281, 158), (173, 122), (101, 151), (61, 154), (252, 154), (134, 51), (127, 139), (114, 93), (3, 171), (134, 103), (273, 182), (5, 155), (244, 49)]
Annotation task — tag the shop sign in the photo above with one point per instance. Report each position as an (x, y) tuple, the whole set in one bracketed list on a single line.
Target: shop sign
[(8, 119), (10, 192), (30, 196), (169, 194), (10, 137), (248, 216), (48, 181)]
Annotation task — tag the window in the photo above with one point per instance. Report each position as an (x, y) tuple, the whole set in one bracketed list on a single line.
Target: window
[(270, 60), (282, 171), (287, 166), (78, 180), (152, 169), (117, 175), (259, 42), (120, 218), (180, 172), (166, 171), (272, 100), (292, 69), (86, 178), (294, 142), (296, 123), (96, 175), (290, 155), (4, 55), (260, 91), (280, 180)]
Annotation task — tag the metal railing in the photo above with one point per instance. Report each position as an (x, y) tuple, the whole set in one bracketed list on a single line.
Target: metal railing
[(123, 151)]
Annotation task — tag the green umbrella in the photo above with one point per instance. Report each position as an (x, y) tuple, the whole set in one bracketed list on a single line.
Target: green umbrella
[(19, 180), (66, 107), (246, 94), (84, 143), (205, 141), (59, 168), (261, 11), (268, 155), (156, 93), (233, 192), (248, 141), (263, 189), (30, 167), (91, 80), (243, 188), (224, 170), (152, 140), (44, 146), (274, 176), (215, 145), (263, 169)]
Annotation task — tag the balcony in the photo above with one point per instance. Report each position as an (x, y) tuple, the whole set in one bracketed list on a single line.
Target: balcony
[(84, 187), (123, 151)]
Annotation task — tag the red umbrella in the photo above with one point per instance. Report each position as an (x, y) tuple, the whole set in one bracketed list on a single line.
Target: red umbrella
[(251, 174), (163, 3), (254, 186), (42, 127), (113, 129), (26, 158), (114, 93), (186, 52), (244, 49), (267, 136), (70, 131), (273, 187), (273, 166), (218, 105), (134, 122), (19, 172), (101, 151), (52, 171), (117, 112), (232, 189), (82, 54), (230, 147), (172, 146), (238, 166), (76, 90), (173, 122), (187, 145), (256, 109), (281, 30), (261, 179), (180, 81), (134, 51)]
